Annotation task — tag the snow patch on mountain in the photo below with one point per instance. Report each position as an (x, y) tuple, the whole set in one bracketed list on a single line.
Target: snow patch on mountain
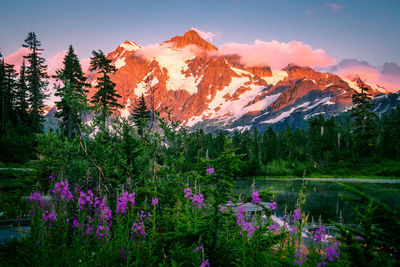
[(143, 87), (119, 63), (130, 46), (323, 100), (286, 114), (277, 76)]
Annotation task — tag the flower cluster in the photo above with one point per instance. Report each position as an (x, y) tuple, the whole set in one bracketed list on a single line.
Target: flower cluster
[(272, 205), (197, 199), (61, 190), (300, 257), (138, 228), (319, 234), (273, 227), (36, 199), (122, 202), (154, 201), (205, 263), (296, 215), (52, 176), (255, 198), (240, 221), (49, 218), (201, 247), (85, 199), (102, 232), (210, 170)]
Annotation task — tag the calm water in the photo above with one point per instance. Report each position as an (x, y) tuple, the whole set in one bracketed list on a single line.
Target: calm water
[(324, 195)]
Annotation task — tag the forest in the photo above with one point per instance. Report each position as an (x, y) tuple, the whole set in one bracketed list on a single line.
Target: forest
[(147, 191)]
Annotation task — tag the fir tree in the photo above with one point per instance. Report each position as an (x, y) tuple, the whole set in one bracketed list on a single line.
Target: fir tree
[(141, 115), (21, 96), (7, 96), (269, 147), (106, 96), (36, 77), (72, 93), (364, 130)]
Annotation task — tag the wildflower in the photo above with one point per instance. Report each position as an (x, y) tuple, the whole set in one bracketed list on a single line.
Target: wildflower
[(49, 218), (321, 264), (210, 170), (319, 234), (188, 192), (198, 248), (240, 221), (205, 263), (75, 223), (36, 198), (154, 201), (52, 176), (102, 232), (331, 253), (293, 230), (255, 198), (197, 200), (123, 201), (138, 228), (272, 205), (85, 199), (300, 258), (223, 208), (296, 215), (273, 227), (358, 237), (61, 189)]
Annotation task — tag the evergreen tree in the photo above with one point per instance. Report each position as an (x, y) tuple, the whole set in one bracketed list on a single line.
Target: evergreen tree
[(36, 77), (7, 96), (315, 137), (21, 96), (72, 93), (364, 130), (141, 115), (106, 96), (269, 146)]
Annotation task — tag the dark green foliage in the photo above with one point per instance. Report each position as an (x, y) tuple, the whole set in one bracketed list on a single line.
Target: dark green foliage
[(141, 115), (106, 97), (364, 127), (269, 147), (376, 241), (36, 78), (21, 97), (72, 92)]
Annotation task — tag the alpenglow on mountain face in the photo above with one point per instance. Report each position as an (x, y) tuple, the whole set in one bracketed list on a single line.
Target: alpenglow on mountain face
[(203, 88)]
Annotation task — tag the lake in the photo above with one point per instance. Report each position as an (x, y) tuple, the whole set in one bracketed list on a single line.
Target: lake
[(324, 194)]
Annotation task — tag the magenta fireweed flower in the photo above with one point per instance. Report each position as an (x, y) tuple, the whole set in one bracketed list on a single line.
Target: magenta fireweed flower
[(272, 205), (198, 200), (255, 198), (240, 221), (49, 218), (210, 170), (296, 215), (300, 258), (123, 201), (61, 190), (222, 209), (52, 176), (102, 232), (188, 192), (205, 263), (198, 248), (36, 199), (138, 228), (154, 201), (273, 227), (75, 223), (85, 199), (293, 230), (319, 234), (331, 253)]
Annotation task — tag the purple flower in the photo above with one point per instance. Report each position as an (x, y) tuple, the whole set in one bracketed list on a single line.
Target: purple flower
[(198, 248), (300, 258), (49, 218), (223, 208), (331, 253), (85, 199), (138, 228), (293, 230), (52, 176), (210, 170), (358, 237), (36, 198), (61, 190), (272, 205), (273, 227), (197, 200), (154, 201), (102, 232), (296, 215), (188, 192), (319, 234), (205, 263), (75, 223), (123, 201), (255, 198), (240, 221)]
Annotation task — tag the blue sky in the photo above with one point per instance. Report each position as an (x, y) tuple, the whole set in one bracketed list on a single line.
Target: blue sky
[(365, 30)]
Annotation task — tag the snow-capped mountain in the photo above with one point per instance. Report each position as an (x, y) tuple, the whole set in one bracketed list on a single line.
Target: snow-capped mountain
[(204, 88)]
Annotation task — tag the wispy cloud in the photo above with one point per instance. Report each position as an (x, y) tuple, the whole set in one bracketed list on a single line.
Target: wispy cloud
[(208, 36), (334, 7)]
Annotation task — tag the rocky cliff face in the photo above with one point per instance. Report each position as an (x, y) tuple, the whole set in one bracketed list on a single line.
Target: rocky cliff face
[(205, 89)]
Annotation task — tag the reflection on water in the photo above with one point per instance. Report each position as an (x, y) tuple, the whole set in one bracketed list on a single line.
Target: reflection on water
[(323, 195)]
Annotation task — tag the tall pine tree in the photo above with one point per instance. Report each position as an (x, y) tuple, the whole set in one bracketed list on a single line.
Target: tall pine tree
[(141, 115), (72, 92), (106, 96), (36, 77), (7, 95), (21, 96), (364, 130)]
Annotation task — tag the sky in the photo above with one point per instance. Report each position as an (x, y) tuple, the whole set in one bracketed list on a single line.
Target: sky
[(332, 35)]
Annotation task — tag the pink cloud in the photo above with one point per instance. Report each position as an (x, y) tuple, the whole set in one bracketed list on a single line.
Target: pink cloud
[(334, 7), (16, 58), (208, 36), (85, 63), (371, 75), (55, 63), (277, 55)]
